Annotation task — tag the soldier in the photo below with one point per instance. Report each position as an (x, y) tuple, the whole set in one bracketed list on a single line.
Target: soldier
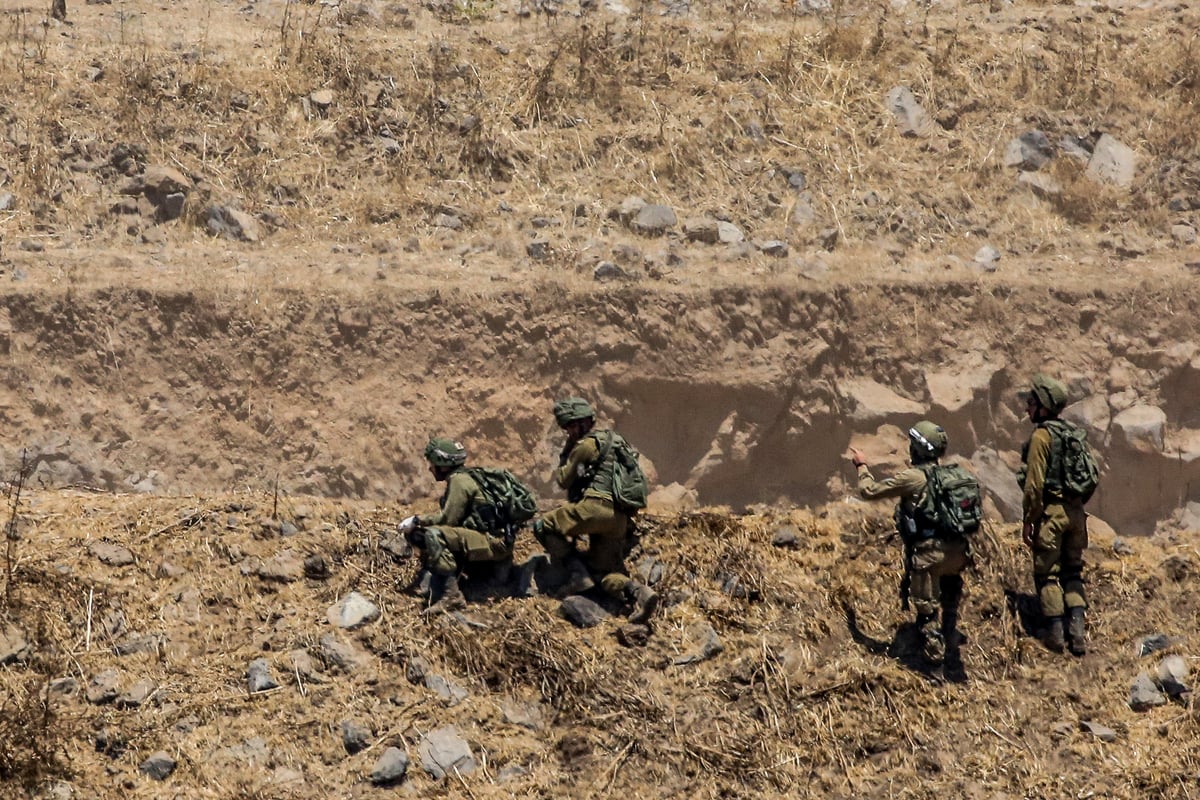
[(585, 470), (1054, 522), (934, 561), (457, 534)]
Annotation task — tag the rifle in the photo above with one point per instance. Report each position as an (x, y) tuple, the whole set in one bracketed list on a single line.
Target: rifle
[(906, 581)]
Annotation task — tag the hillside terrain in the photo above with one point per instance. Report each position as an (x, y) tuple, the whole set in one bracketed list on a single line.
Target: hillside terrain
[(255, 253)]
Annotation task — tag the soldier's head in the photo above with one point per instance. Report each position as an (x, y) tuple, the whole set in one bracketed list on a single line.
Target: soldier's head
[(1045, 398), (575, 416), (926, 442), (444, 456)]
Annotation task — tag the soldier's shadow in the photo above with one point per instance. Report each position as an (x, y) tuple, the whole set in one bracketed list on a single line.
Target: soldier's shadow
[(1026, 609), (905, 646)]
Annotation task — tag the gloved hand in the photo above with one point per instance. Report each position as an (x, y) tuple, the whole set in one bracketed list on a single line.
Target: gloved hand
[(408, 524)]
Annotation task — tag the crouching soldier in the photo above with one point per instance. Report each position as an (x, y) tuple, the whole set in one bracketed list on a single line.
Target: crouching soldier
[(462, 532), (939, 508), (587, 467)]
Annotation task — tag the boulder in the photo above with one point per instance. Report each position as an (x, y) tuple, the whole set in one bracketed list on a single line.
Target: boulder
[(14, 646), (1112, 162), (872, 402), (523, 715), (447, 690), (355, 736), (1141, 427), (158, 766), (283, 567), (674, 497), (1042, 184), (999, 482), (112, 554), (1172, 675), (231, 223), (136, 695), (582, 612), (103, 687), (987, 258), (341, 655), (705, 643), (1092, 414), (787, 536), (1101, 732), (258, 676), (654, 220)]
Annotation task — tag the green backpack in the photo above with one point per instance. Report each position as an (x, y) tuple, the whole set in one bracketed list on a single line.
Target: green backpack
[(629, 485), (951, 507), (1077, 472), (509, 504)]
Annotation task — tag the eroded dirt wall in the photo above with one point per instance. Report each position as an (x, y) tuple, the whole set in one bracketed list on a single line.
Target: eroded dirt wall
[(742, 395)]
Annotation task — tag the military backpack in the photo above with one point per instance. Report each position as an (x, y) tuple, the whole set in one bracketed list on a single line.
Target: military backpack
[(629, 485), (1072, 470), (951, 506), (509, 503)]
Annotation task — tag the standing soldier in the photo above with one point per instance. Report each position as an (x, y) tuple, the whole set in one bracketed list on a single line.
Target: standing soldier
[(1058, 476), (586, 469), (457, 534), (935, 555)]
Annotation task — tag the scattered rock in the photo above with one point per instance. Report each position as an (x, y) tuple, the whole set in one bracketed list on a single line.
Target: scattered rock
[(708, 645), (64, 686), (448, 221), (650, 570), (355, 737), (150, 643), (1152, 644), (633, 635), (322, 99), (734, 586), (1178, 567), (774, 248), (258, 676), (786, 536), (608, 271), (539, 249), (582, 612), (158, 766), (136, 695), (231, 223), (444, 751), (390, 767), (870, 402), (283, 567), (1091, 413), (673, 497), (1144, 694), (523, 715), (987, 258), (1101, 732), (13, 645), (111, 743), (103, 687), (112, 554), (7, 201), (316, 567), (627, 210), (417, 668), (1172, 675), (447, 691), (1029, 152), (1121, 547), (1183, 234), (341, 655), (352, 611), (1041, 184), (303, 666), (654, 220), (911, 117)]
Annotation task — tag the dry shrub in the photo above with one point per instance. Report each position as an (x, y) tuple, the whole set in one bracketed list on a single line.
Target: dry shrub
[(33, 739)]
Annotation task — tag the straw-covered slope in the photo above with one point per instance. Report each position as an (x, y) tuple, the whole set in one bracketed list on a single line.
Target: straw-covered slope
[(773, 670)]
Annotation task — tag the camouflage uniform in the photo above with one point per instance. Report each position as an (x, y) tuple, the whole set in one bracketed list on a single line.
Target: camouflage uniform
[(1060, 532), (935, 565), (455, 535), (590, 512)]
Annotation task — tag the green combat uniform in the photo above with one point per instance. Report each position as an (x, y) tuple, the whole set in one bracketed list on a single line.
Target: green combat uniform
[(587, 471), (589, 512), (933, 558), (934, 565), (458, 534), (1054, 523)]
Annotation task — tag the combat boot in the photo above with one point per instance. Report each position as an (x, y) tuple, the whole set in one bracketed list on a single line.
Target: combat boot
[(644, 599), (578, 578), (933, 644), (446, 594), (1077, 631), (1053, 636)]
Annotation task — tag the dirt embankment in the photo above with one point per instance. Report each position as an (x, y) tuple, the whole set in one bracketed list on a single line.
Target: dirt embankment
[(742, 395)]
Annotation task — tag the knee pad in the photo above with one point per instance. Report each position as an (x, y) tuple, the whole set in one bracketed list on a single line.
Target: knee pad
[(439, 560)]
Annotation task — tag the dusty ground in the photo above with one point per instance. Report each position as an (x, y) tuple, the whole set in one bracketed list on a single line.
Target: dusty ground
[(265, 250)]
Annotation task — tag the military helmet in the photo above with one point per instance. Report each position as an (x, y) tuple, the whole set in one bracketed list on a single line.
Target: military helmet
[(573, 409), (1050, 394), (445, 453), (927, 441)]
